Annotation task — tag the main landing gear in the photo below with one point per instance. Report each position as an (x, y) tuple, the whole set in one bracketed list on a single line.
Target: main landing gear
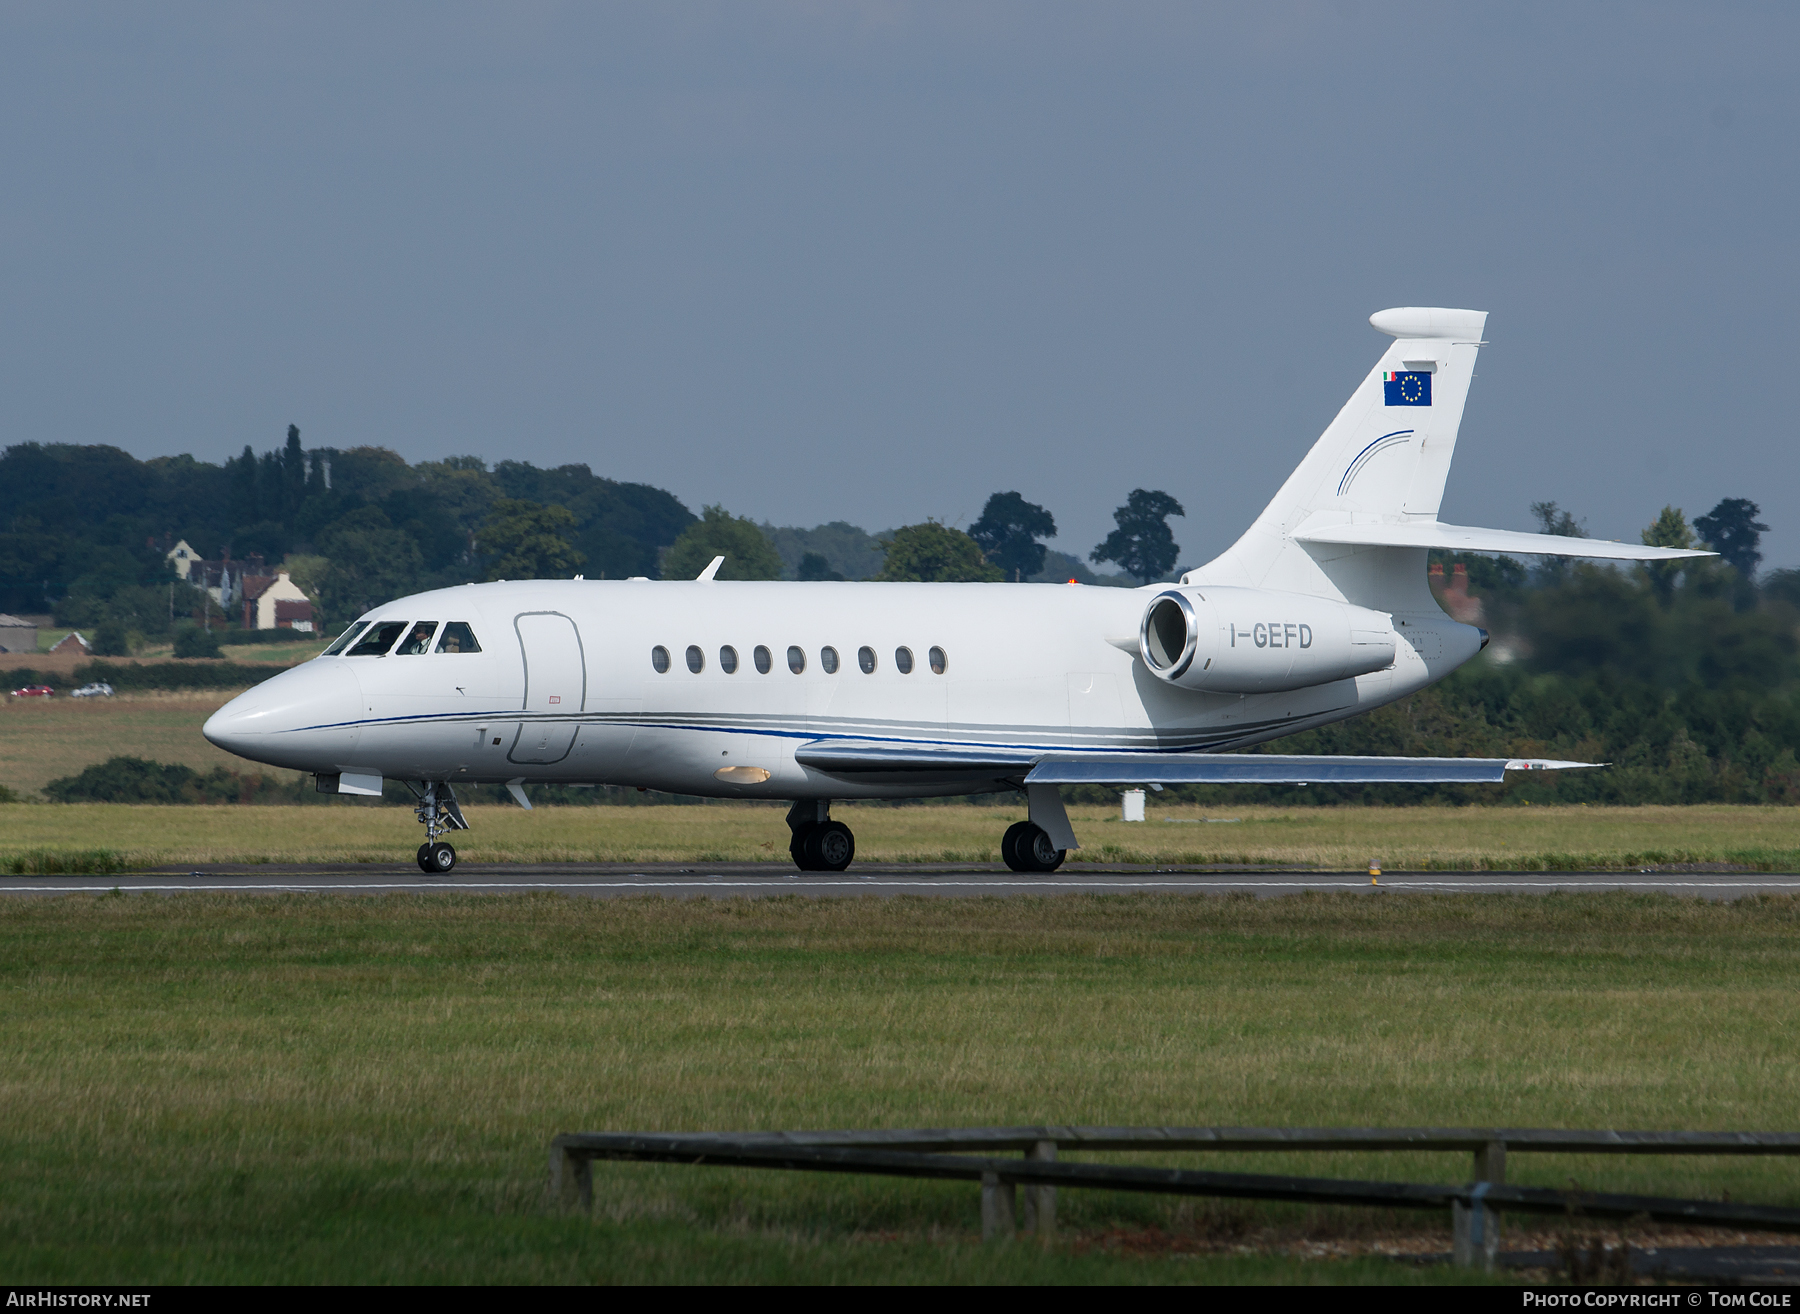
[(819, 843), (1027, 846), (438, 812)]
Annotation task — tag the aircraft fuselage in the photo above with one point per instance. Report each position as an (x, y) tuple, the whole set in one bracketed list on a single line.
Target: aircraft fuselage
[(566, 686)]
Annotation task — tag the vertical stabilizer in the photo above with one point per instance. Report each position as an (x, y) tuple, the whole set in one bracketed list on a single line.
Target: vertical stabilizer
[(1384, 459)]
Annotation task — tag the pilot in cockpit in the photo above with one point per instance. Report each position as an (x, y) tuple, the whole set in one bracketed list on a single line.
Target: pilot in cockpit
[(419, 641)]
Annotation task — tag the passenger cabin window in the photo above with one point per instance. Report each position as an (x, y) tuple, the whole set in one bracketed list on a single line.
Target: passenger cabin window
[(696, 659), (418, 642), (380, 636), (659, 658), (728, 659), (345, 639), (939, 662), (796, 660), (457, 637), (903, 660), (865, 658), (763, 660), (828, 659)]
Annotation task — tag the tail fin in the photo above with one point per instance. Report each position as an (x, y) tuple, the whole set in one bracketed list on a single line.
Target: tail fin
[(1383, 459)]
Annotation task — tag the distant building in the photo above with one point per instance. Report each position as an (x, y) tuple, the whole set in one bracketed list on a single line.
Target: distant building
[(275, 602), (73, 642), (294, 615), (17, 635), (223, 579), (182, 557)]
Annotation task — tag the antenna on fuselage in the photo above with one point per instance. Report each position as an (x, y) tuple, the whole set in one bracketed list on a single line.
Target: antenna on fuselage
[(712, 568)]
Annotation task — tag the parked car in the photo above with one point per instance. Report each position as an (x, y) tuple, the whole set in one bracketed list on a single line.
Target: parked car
[(34, 691), (101, 690)]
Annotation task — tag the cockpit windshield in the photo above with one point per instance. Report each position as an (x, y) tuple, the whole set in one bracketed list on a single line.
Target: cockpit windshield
[(379, 638), (457, 637), (345, 639), (417, 640)]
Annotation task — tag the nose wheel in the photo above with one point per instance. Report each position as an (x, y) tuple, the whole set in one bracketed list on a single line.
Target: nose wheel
[(437, 859)]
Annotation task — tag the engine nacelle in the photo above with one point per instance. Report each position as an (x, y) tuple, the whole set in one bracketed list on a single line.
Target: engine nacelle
[(1235, 640)]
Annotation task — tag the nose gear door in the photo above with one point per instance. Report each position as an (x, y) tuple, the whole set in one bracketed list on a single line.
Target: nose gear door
[(555, 687)]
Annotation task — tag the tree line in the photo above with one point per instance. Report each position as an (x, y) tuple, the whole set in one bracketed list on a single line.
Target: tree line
[(85, 531)]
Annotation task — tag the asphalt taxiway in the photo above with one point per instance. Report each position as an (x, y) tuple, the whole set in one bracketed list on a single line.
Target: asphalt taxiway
[(767, 880)]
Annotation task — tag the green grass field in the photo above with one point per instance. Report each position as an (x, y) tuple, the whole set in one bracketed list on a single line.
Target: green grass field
[(276, 1089), (43, 739), (1766, 838)]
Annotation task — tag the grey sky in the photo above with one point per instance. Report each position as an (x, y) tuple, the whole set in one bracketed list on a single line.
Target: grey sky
[(874, 261)]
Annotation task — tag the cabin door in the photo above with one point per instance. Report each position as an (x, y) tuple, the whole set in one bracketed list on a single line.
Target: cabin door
[(555, 687)]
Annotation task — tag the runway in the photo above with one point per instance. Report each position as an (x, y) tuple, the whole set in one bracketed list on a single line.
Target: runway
[(769, 880)]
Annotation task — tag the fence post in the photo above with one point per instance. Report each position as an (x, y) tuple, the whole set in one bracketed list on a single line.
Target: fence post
[(997, 1212), (571, 1179), (1475, 1227), (1040, 1201)]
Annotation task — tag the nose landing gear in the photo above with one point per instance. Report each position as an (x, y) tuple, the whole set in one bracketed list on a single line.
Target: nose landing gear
[(438, 812), (819, 843)]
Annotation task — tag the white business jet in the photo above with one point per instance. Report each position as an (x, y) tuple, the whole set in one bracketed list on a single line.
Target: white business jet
[(814, 692)]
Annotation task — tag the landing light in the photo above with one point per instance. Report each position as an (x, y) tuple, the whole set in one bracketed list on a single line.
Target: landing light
[(742, 775)]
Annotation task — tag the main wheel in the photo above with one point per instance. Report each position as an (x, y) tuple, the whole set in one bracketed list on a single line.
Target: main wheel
[(1031, 849), (440, 859), (1009, 844), (797, 847), (425, 857), (829, 847)]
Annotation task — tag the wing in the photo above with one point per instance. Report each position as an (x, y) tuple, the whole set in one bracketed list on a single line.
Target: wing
[(1284, 769), (873, 761)]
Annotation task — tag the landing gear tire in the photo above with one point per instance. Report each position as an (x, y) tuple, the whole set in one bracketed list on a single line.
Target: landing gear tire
[(823, 846), (830, 847), (438, 859), (1026, 846), (424, 857)]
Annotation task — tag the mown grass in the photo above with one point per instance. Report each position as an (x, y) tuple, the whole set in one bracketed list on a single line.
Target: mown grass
[(1413, 839), (44, 739), (248, 1089)]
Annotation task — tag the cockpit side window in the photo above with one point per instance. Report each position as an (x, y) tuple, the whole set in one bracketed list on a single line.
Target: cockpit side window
[(457, 637), (345, 639), (380, 637), (417, 640)]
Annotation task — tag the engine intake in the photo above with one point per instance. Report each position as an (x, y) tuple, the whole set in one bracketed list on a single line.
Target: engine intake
[(1232, 640)]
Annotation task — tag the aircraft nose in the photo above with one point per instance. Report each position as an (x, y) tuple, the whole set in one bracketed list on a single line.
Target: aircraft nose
[(305, 718)]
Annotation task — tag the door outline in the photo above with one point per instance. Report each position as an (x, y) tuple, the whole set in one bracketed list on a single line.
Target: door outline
[(525, 701)]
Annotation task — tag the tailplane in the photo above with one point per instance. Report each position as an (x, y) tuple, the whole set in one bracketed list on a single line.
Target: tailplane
[(1355, 520), (1383, 460)]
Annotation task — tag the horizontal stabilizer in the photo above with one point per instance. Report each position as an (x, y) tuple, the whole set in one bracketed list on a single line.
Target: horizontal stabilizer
[(1282, 769), (1466, 538)]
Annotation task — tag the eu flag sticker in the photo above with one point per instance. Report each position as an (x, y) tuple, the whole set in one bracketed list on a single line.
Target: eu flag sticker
[(1407, 387)]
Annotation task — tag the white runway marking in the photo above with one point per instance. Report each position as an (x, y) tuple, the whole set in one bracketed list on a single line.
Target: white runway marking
[(972, 883)]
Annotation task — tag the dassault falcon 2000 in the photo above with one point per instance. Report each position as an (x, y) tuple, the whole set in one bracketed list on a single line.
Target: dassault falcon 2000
[(813, 692)]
